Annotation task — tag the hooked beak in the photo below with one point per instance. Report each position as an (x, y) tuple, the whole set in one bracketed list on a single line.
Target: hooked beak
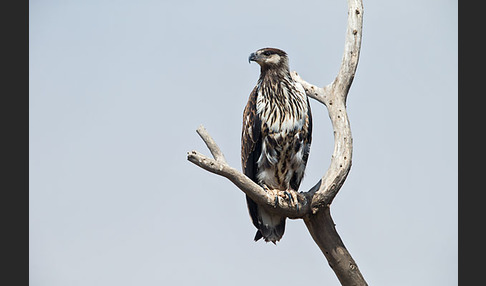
[(252, 57)]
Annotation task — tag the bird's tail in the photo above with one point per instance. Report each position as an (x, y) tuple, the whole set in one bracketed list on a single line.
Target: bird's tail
[(271, 227)]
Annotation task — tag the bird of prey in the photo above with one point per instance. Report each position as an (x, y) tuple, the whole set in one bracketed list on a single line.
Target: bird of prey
[(276, 137)]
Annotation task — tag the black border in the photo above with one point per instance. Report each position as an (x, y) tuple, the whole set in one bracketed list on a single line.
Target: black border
[(15, 139)]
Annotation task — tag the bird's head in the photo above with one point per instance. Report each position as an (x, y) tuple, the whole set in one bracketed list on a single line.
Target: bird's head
[(269, 58)]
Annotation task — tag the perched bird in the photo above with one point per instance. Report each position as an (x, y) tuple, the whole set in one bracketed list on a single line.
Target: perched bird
[(276, 136)]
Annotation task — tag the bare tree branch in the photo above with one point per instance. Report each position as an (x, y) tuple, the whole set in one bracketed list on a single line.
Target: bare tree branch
[(273, 200), (314, 205), (323, 231), (334, 97), (212, 146)]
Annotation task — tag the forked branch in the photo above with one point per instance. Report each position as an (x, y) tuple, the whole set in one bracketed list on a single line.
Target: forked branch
[(314, 205)]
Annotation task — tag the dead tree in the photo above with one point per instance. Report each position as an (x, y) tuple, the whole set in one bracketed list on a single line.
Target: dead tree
[(312, 206)]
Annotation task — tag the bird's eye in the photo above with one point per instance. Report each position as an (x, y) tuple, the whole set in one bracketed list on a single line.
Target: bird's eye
[(267, 53)]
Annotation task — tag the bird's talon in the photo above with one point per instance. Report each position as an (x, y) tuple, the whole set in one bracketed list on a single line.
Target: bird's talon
[(289, 196)]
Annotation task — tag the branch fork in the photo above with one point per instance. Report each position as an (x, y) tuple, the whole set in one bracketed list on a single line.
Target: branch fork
[(313, 206)]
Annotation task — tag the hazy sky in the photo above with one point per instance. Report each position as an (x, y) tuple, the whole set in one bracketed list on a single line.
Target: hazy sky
[(118, 88)]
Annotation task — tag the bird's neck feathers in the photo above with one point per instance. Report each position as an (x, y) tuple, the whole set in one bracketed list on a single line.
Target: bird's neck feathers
[(276, 71)]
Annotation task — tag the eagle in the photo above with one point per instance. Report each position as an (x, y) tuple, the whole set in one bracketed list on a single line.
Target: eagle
[(276, 137)]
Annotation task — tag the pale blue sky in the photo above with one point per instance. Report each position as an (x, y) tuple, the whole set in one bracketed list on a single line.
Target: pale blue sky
[(117, 89)]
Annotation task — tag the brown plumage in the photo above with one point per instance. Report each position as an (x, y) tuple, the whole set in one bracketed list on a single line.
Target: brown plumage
[(276, 136)]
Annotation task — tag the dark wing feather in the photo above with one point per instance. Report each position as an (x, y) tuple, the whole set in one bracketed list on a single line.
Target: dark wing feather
[(251, 148), (309, 131), (250, 137)]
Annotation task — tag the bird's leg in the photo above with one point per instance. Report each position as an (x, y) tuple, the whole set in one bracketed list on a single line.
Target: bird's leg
[(288, 195), (273, 192), (292, 198)]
